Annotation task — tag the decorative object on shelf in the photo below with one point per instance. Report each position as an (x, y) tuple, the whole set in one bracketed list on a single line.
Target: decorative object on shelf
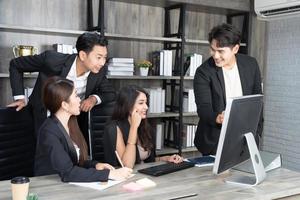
[(143, 66), (24, 50)]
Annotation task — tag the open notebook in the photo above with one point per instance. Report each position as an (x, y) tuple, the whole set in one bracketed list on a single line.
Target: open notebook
[(99, 185)]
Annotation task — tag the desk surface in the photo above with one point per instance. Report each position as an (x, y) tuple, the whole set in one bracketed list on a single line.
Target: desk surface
[(279, 183)]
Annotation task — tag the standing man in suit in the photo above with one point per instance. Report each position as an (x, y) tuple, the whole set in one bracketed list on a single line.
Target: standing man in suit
[(225, 74), (86, 69)]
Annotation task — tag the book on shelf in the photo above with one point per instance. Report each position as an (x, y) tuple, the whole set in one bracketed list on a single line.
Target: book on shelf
[(156, 100), (120, 73), (120, 68), (167, 63), (193, 61), (161, 63), (188, 135), (119, 64), (121, 60), (155, 59), (65, 48), (159, 136), (189, 104)]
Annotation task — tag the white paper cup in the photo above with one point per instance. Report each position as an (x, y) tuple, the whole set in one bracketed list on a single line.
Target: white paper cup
[(19, 187)]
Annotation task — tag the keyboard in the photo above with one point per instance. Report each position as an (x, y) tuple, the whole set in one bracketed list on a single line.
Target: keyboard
[(166, 168)]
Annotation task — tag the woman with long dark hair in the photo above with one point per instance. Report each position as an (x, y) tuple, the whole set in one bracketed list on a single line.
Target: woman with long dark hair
[(129, 133), (61, 147)]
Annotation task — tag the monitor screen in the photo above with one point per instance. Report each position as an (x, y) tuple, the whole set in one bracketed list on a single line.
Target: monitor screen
[(242, 115)]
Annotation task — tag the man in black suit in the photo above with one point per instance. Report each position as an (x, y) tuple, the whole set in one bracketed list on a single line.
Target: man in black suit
[(225, 74), (86, 69)]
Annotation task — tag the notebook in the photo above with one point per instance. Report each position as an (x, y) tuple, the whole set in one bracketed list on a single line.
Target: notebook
[(202, 161)]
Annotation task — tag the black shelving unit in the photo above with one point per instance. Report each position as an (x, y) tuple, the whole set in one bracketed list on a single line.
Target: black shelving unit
[(175, 124), (90, 17)]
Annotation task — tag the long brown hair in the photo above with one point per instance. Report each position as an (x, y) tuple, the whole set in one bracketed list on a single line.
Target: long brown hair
[(124, 105), (55, 91)]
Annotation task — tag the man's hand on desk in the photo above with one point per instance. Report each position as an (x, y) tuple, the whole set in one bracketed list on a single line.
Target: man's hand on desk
[(20, 103)]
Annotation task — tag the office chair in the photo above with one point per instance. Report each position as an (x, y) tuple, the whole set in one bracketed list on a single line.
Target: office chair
[(98, 117), (17, 143)]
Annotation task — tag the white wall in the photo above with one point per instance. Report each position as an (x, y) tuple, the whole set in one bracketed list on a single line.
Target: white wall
[(282, 91)]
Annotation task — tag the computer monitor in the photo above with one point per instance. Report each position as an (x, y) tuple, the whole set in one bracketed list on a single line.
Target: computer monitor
[(236, 142)]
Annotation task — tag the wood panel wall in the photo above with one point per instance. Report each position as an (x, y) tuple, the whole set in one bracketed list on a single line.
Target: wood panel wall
[(121, 18)]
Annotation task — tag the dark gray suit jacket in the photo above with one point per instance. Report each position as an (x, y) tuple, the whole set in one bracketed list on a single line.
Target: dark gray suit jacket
[(210, 97), (52, 63), (56, 154)]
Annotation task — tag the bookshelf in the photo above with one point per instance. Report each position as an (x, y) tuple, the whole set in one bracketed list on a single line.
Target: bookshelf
[(143, 32), (180, 39)]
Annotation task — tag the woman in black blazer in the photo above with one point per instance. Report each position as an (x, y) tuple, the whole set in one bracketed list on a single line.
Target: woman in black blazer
[(61, 148), (129, 132)]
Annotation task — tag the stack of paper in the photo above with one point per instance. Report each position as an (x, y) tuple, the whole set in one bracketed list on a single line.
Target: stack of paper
[(121, 67), (138, 185)]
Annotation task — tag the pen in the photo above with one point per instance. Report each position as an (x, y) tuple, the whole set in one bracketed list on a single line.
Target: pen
[(184, 196), (119, 159)]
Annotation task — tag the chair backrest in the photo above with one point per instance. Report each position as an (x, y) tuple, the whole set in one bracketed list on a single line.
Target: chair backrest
[(17, 143), (98, 117)]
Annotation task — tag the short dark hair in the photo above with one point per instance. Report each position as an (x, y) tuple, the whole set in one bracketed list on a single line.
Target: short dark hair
[(88, 40), (226, 35)]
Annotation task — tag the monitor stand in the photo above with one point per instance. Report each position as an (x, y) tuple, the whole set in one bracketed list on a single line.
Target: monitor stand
[(270, 160), (257, 164)]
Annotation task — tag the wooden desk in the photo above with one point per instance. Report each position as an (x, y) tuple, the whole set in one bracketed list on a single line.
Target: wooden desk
[(279, 183)]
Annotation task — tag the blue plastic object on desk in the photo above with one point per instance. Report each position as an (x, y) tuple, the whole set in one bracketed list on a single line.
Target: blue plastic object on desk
[(202, 161)]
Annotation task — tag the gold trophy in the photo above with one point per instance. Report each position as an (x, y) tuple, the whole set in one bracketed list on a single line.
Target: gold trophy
[(24, 50)]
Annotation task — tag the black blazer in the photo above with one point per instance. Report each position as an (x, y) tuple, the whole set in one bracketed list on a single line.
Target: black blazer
[(56, 154), (110, 140), (210, 97), (52, 63)]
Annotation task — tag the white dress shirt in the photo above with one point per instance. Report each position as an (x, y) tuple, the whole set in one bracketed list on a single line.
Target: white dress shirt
[(79, 83)]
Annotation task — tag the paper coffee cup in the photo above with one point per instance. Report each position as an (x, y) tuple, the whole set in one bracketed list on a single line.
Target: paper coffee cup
[(19, 188)]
